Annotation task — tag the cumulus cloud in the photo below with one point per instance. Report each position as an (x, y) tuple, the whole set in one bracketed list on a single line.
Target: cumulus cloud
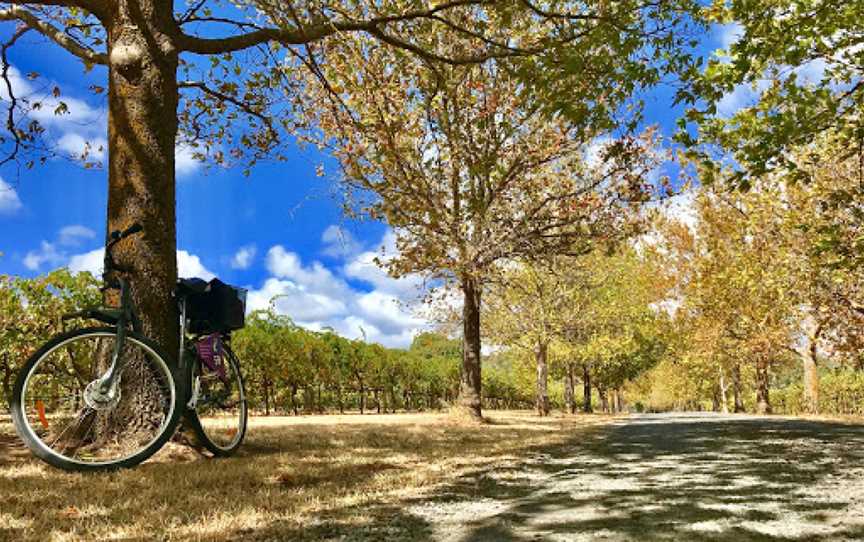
[(189, 265), (51, 255), (317, 297), (243, 258), (75, 234), (729, 34), (363, 267), (9, 200), (79, 147), (339, 242), (76, 127), (46, 254), (185, 162), (89, 261), (682, 208)]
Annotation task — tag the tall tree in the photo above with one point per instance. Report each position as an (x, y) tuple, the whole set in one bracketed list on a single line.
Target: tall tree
[(528, 308), (467, 169), (213, 75)]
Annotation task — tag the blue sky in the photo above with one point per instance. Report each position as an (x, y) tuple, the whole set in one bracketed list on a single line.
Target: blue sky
[(278, 232)]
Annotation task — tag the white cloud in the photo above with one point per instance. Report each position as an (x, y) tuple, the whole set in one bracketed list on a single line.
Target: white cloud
[(189, 265), (75, 234), (743, 95), (47, 254), (339, 243), (89, 261), (729, 34), (9, 201), (79, 147), (185, 162), (296, 301), (594, 153), (682, 208), (315, 297), (243, 258), (363, 267), (317, 278)]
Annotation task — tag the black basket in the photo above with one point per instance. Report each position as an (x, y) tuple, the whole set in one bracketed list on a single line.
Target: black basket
[(219, 309)]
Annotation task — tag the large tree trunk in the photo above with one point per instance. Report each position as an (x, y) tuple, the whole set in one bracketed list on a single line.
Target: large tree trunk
[(541, 350), (586, 388), (808, 360), (604, 400), (470, 383), (736, 388), (763, 402), (142, 130), (724, 389), (569, 389)]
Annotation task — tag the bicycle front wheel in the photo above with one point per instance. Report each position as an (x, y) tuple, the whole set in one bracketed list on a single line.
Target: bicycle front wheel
[(63, 419), (220, 414)]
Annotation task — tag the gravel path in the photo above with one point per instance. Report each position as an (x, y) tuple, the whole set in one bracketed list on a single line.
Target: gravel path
[(682, 477)]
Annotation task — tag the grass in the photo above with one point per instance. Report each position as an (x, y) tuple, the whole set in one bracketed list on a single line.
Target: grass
[(305, 478)]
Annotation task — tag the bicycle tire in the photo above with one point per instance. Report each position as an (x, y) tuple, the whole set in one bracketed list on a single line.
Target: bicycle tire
[(45, 453), (195, 421)]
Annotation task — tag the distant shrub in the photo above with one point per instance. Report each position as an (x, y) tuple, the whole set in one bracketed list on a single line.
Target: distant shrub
[(840, 392)]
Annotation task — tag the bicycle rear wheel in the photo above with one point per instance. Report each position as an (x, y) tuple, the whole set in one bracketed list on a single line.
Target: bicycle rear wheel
[(63, 420), (220, 414)]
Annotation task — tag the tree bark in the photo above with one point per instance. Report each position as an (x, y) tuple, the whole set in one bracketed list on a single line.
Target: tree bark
[(808, 361), (586, 388), (763, 402), (294, 399), (604, 400), (468, 402), (569, 389), (142, 130), (736, 389), (541, 350), (724, 389), (619, 400)]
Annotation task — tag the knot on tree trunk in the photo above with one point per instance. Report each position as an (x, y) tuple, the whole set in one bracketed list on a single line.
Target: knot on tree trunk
[(127, 56)]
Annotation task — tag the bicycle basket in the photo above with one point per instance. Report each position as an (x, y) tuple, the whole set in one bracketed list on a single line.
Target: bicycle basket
[(220, 308)]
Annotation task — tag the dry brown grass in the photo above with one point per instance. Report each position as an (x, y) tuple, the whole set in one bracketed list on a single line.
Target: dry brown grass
[(306, 478)]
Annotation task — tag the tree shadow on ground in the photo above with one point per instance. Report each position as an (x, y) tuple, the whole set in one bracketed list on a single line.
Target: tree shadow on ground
[(291, 482), (668, 478)]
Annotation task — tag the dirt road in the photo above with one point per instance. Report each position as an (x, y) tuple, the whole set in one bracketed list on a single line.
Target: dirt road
[(667, 477)]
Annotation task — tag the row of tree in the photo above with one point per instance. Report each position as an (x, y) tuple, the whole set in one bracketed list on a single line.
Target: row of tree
[(765, 284), (589, 319)]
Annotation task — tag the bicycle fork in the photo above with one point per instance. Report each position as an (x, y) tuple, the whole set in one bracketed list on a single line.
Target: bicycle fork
[(195, 383), (104, 392)]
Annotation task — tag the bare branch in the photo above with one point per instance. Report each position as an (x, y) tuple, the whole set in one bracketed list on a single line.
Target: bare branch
[(10, 112), (232, 100), (304, 34), (53, 33)]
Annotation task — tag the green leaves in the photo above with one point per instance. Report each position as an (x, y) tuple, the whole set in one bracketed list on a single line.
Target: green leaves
[(806, 60)]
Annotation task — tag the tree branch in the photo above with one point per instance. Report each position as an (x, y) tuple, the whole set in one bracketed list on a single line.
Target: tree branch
[(231, 99), (53, 33), (314, 32), (10, 112)]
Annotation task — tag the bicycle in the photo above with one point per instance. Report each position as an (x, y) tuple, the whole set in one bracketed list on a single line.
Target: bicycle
[(101, 398)]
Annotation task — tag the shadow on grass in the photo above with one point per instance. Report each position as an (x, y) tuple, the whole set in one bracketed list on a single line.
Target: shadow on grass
[(291, 482), (644, 478)]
